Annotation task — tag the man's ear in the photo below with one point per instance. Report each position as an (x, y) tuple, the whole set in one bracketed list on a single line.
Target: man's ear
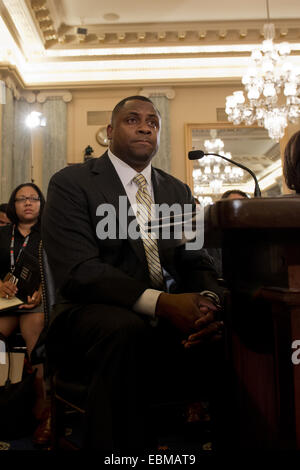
[(109, 130)]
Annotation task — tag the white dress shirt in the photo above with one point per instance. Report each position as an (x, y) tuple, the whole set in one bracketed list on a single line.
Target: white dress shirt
[(146, 303)]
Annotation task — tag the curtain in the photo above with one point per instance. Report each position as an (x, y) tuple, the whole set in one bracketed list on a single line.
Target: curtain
[(55, 139), (16, 145), (162, 158), (7, 139), (22, 145)]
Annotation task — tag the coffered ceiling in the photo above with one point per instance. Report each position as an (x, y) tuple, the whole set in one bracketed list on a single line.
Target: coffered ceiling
[(84, 42)]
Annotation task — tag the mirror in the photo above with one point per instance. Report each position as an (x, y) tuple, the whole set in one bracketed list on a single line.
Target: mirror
[(251, 146)]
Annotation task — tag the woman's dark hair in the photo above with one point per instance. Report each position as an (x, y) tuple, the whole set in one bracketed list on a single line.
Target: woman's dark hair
[(11, 208), (3, 207), (291, 163), (234, 191)]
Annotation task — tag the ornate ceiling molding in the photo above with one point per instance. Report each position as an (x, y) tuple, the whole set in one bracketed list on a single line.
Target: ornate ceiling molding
[(9, 75), (19, 92), (48, 54), (25, 28), (44, 21), (170, 34), (59, 36)]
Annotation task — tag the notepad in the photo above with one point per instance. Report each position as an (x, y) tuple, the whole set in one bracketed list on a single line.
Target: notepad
[(6, 304), (26, 276)]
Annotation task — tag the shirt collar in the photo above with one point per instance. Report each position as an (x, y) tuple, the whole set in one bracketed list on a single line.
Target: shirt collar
[(126, 173), (34, 228)]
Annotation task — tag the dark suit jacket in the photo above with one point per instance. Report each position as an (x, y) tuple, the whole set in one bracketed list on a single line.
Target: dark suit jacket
[(110, 271)]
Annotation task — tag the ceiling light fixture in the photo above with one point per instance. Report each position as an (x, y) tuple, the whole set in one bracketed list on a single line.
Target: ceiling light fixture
[(272, 85)]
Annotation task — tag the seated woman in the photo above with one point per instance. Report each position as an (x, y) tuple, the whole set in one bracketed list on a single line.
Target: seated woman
[(234, 194), (25, 208), (291, 164)]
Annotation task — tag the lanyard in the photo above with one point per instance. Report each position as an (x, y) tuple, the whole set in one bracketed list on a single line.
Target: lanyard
[(12, 246)]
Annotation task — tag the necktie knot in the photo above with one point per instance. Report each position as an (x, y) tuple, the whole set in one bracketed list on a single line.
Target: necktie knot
[(140, 180)]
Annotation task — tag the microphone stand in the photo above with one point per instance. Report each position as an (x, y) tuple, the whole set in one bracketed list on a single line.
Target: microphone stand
[(257, 192)]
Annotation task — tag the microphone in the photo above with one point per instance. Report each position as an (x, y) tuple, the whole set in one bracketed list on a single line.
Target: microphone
[(197, 154)]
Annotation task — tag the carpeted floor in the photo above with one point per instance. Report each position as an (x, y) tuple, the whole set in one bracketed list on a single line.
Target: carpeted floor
[(20, 444), (174, 435)]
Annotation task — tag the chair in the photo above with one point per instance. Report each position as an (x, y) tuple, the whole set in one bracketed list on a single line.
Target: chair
[(65, 393)]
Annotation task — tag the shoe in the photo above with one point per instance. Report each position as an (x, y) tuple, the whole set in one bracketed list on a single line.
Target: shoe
[(42, 434)]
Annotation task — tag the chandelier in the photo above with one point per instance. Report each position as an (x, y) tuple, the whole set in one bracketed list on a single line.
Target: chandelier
[(273, 88), (214, 171)]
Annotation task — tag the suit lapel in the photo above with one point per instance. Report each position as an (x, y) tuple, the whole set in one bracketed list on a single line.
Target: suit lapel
[(161, 189), (108, 181)]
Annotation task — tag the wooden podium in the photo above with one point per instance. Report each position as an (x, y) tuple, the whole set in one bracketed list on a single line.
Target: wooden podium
[(260, 240)]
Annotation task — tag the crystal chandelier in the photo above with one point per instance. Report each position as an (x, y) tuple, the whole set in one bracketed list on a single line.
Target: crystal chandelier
[(205, 201), (273, 88), (214, 171)]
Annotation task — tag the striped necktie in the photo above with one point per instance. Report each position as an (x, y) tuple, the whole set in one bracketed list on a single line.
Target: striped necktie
[(143, 216)]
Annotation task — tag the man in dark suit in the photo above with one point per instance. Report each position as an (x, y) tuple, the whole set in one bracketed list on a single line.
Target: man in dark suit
[(113, 310)]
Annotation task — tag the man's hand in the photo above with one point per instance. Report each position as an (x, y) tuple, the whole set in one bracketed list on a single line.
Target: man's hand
[(184, 310), (208, 330)]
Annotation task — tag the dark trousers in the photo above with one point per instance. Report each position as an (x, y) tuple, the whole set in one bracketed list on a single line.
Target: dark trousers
[(130, 366)]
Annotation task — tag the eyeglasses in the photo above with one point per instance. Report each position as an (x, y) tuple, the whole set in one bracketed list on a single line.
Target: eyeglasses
[(24, 199)]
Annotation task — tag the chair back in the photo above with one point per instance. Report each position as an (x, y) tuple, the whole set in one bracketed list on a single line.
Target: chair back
[(47, 281)]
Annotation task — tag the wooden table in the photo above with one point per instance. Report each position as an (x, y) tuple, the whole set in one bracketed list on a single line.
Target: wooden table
[(260, 240)]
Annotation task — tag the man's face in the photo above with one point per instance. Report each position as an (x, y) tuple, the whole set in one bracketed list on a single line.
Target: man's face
[(134, 134)]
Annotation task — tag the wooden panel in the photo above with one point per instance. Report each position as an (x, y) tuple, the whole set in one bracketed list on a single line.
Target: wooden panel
[(260, 241)]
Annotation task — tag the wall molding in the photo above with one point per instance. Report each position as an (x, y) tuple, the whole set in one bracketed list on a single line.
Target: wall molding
[(43, 96), (28, 96), (158, 91), (11, 84)]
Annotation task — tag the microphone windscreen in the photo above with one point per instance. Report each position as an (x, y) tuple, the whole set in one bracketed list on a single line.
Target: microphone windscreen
[(196, 154)]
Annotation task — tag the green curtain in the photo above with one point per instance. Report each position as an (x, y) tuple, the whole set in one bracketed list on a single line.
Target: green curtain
[(162, 159), (55, 139), (16, 145), (22, 145)]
